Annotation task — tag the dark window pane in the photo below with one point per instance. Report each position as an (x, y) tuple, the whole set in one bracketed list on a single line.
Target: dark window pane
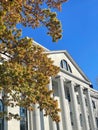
[(86, 102), (81, 121), (69, 69), (97, 122), (64, 64), (57, 125), (61, 64), (94, 106), (78, 99), (89, 122), (68, 95), (23, 121), (71, 117)]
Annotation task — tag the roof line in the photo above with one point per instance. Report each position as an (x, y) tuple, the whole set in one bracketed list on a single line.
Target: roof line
[(40, 45)]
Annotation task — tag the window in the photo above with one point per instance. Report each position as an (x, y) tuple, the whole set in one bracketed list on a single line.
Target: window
[(93, 103), (65, 66), (81, 121), (69, 69), (68, 95), (89, 122), (57, 125), (1, 118), (78, 100), (23, 121), (86, 102), (71, 117), (96, 121)]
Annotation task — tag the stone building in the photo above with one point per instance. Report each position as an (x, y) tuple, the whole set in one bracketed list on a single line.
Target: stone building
[(76, 97)]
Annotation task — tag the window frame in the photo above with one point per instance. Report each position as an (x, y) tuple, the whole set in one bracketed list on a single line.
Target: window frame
[(64, 64)]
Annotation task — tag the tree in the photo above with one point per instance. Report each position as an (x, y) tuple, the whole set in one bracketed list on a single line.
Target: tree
[(32, 13), (25, 68)]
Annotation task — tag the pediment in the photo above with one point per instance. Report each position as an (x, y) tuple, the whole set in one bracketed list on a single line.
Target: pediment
[(58, 56)]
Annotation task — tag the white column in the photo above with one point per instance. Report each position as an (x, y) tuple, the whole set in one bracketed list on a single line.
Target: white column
[(36, 114), (90, 108), (1, 94), (83, 108), (74, 106), (64, 112), (28, 120), (53, 123)]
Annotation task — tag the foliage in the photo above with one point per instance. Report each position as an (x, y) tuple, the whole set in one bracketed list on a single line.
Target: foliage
[(31, 13), (25, 75), (25, 67)]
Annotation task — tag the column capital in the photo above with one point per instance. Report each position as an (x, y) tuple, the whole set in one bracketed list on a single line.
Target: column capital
[(78, 86), (71, 83), (50, 78), (86, 90), (60, 77)]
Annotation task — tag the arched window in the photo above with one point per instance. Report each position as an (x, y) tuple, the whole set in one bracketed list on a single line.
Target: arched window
[(65, 65), (23, 121), (1, 118)]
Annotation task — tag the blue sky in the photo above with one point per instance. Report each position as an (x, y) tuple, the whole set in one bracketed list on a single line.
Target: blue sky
[(79, 20)]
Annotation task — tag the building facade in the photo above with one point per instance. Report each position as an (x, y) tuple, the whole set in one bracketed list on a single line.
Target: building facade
[(76, 97)]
